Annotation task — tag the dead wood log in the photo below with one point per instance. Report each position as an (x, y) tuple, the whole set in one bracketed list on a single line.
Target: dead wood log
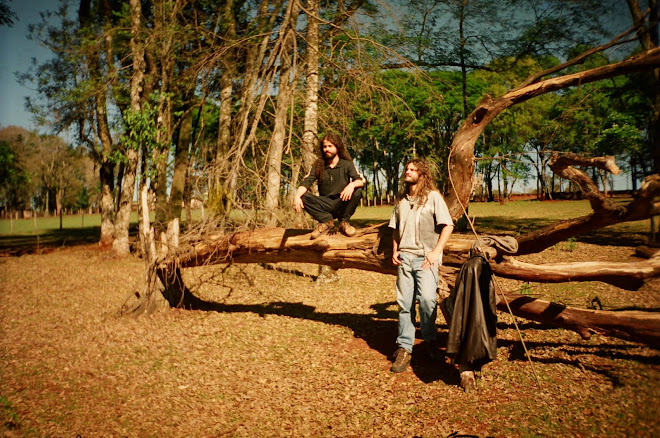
[(371, 249), (606, 212), (630, 325), (629, 276)]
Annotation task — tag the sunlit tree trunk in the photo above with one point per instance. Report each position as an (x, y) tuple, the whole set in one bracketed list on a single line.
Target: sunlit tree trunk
[(310, 136), (121, 243), (278, 138)]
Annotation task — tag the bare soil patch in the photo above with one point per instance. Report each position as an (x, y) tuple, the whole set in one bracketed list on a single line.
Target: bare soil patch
[(281, 356)]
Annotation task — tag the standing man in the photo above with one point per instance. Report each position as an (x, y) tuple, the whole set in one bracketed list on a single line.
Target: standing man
[(422, 226), (340, 188)]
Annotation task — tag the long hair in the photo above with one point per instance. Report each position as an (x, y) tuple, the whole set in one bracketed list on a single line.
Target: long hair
[(336, 140), (426, 172)]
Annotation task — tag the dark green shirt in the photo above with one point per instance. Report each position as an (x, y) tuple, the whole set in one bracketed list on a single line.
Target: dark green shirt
[(334, 178)]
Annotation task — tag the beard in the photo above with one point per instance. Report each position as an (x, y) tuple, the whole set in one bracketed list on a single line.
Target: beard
[(411, 180), (329, 155)]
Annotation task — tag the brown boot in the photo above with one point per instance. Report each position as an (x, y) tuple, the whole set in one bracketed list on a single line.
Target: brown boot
[(346, 229), (401, 360), (322, 228)]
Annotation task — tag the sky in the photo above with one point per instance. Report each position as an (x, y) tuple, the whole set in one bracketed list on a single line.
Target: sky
[(16, 53)]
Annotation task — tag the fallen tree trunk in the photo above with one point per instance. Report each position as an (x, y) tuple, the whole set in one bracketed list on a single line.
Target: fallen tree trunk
[(629, 276), (630, 325), (371, 250)]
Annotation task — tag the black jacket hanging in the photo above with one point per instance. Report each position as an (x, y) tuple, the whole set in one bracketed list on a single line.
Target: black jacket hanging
[(473, 318)]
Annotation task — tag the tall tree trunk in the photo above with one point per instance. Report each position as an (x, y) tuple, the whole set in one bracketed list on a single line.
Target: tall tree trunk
[(102, 128), (164, 30), (224, 140), (278, 138), (258, 77), (107, 203), (310, 136), (121, 244), (180, 166)]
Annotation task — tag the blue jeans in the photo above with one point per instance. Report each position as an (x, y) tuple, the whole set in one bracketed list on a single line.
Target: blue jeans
[(413, 282)]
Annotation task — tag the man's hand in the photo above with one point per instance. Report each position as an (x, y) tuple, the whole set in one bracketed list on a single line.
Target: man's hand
[(431, 259), (346, 194), (396, 258), (298, 204)]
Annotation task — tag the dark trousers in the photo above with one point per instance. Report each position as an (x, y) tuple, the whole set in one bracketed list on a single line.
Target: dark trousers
[(324, 208)]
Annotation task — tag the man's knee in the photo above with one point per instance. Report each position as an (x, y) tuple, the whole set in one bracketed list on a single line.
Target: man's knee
[(357, 193), (427, 301)]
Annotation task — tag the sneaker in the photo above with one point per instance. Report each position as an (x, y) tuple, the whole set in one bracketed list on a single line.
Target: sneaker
[(322, 228), (401, 360), (346, 229), (468, 382)]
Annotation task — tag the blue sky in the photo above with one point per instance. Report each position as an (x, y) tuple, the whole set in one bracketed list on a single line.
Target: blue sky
[(16, 52)]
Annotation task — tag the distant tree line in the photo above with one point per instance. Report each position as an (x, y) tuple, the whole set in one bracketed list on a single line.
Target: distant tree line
[(43, 174), (223, 101)]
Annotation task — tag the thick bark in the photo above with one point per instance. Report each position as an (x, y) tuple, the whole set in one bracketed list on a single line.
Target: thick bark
[(371, 249), (630, 276), (228, 63), (180, 166), (121, 244), (102, 128), (630, 325)]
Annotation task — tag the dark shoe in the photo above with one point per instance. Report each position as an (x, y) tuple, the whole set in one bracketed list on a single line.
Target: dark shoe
[(346, 229), (468, 382), (401, 360), (322, 228)]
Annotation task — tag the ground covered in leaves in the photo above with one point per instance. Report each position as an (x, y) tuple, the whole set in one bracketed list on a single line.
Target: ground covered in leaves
[(283, 356)]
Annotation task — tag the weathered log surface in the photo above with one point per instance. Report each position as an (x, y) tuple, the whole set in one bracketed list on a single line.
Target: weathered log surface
[(630, 325), (630, 276), (371, 249)]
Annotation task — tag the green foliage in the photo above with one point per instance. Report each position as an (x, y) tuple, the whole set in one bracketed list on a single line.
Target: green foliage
[(14, 180)]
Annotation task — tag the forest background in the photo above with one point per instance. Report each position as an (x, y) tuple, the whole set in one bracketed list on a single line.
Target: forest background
[(221, 102)]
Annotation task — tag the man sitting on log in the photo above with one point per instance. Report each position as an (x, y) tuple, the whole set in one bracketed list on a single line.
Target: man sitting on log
[(340, 188), (422, 226)]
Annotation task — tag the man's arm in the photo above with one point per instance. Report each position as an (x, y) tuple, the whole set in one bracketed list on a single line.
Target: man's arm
[(347, 193), (297, 200), (436, 253), (396, 254), (357, 180)]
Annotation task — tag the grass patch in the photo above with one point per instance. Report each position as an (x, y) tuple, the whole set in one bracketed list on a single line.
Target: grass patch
[(8, 414)]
